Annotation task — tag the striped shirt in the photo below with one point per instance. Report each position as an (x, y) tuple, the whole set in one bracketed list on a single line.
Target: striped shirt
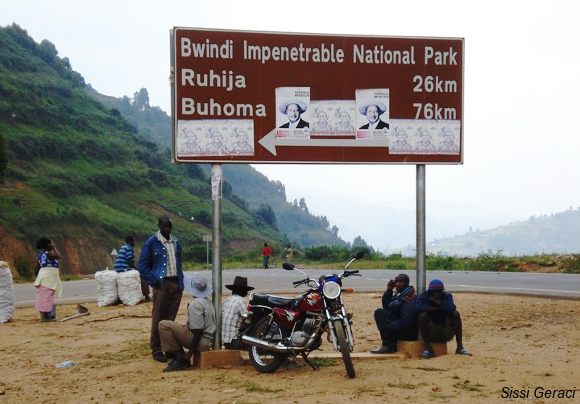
[(233, 309), (171, 259), (125, 257)]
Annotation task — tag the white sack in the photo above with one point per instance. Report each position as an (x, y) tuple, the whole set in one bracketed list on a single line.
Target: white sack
[(6, 293), (107, 294), (129, 286)]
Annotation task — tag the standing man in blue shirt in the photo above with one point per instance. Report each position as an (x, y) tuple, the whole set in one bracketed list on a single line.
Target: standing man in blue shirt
[(125, 261), (160, 265)]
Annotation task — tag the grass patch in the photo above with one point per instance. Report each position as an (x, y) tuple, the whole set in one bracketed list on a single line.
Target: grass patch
[(430, 369), (468, 386), (405, 386), (252, 387), (134, 351)]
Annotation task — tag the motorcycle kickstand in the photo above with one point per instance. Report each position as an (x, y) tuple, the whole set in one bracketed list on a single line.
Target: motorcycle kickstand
[(305, 357)]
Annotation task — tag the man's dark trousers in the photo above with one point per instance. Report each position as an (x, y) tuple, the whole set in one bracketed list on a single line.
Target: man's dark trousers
[(382, 318), (166, 300)]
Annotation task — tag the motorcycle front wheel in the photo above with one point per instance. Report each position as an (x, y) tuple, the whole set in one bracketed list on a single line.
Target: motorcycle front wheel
[(262, 360), (344, 348)]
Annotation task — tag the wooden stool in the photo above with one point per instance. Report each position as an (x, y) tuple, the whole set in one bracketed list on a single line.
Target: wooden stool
[(218, 358), (413, 349)]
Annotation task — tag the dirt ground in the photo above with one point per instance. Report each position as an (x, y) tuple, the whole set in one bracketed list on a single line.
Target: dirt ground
[(521, 343)]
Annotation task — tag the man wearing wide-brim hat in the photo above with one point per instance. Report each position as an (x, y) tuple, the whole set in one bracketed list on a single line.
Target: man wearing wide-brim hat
[(233, 310), (294, 108), (373, 110), (197, 334)]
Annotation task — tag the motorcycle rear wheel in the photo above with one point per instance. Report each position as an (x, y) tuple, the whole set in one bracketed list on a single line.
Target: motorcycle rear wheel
[(344, 348), (266, 361)]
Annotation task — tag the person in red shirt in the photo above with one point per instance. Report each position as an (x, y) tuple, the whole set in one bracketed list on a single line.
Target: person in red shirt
[(266, 251)]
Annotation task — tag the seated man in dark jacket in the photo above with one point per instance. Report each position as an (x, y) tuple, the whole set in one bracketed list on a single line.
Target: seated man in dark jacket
[(438, 318), (397, 319)]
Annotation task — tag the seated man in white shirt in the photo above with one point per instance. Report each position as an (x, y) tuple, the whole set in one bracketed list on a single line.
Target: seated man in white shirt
[(233, 310)]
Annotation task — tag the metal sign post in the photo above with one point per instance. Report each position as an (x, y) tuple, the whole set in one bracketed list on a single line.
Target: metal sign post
[(421, 275), (114, 254), (216, 195), (207, 238)]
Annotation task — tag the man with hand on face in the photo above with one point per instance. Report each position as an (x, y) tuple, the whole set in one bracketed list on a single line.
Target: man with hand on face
[(160, 266), (397, 319), (439, 319), (293, 110)]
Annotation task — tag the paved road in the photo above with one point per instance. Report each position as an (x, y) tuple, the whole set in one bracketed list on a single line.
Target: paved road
[(280, 281)]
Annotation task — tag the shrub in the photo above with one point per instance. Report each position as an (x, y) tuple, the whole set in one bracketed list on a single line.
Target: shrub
[(23, 266), (442, 262), (492, 261), (395, 264), (570, 264)]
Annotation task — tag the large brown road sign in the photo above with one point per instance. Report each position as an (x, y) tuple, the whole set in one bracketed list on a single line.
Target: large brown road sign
[(259, 97)]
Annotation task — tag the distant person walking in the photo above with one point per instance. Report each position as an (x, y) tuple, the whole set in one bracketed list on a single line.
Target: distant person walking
[(48, 284), (160, 265), (289, 252), (125, 261), (266, 252)]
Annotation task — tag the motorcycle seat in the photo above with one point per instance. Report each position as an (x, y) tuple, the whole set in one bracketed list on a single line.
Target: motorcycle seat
[(272, 301)]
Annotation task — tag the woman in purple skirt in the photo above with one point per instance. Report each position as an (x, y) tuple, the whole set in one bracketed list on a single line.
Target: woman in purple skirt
[(47, 281)]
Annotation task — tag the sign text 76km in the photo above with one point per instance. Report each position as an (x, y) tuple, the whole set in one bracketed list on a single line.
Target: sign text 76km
[(259, 97)]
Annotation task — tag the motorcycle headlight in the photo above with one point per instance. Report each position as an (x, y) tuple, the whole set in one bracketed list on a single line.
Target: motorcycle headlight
[(331, 290)]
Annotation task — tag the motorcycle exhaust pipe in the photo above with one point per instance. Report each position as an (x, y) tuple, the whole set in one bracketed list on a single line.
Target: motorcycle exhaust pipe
[(268, 346)]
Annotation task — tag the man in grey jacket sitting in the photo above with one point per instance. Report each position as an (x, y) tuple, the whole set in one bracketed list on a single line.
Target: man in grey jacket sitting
[(197, 334)]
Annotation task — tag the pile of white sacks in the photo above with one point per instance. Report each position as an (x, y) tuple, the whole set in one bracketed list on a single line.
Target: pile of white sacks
[(6, 293), (113, 287)]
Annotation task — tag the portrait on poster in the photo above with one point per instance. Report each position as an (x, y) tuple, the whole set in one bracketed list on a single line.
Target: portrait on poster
[(215, 137), (372, 107), (414, 136), (332, 118), (293, 112)]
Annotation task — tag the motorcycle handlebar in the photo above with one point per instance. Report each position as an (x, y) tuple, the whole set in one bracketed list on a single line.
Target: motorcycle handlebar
[(298, 283), (349, 273)]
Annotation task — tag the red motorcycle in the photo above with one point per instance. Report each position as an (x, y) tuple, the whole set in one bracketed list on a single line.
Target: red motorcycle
[(282, 327)]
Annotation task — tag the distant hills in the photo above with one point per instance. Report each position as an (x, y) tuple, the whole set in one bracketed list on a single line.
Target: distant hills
[(558, 233), (86, 169)]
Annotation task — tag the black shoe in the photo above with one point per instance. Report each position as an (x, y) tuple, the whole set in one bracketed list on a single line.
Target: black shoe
[(177, 365), (384, 349), (159, 356)]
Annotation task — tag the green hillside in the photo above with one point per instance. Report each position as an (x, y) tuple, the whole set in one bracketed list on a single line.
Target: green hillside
[(80, 173), (557, 233), (86, 169)]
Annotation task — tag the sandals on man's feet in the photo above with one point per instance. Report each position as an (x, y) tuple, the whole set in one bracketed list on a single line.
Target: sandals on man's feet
[(426, 354), (462, 351)]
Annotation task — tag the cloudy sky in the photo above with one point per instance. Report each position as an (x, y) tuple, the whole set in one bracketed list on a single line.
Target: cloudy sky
[(521, 99)]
